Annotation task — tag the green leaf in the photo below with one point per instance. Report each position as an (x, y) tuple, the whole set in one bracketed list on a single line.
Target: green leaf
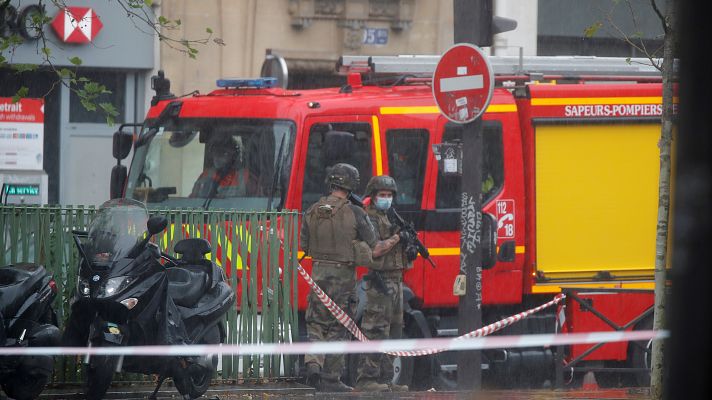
[(46, 51), (163, 20), (75, 60), (21, 93), (148, 3), (2, 59), (66, 73), (208, 30), (88, 105), (24, 67), (177, 22), (109, 109), (591, 30), (15, 40)]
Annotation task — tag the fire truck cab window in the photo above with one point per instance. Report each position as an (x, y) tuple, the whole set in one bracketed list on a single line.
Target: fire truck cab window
[(448, 186), (350, 144), (214, 163), (407, 154)]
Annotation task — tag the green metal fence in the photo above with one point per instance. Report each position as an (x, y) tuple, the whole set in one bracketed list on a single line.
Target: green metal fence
[(258, 251)]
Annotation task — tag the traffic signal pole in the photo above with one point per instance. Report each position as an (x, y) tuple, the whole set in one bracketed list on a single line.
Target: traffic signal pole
[(473, 24)]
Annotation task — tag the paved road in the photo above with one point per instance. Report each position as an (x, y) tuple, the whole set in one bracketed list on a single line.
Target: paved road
[(291, 390)]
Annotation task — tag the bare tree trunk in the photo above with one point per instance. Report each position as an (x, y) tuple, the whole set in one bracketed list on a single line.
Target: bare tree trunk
[(661, 249)]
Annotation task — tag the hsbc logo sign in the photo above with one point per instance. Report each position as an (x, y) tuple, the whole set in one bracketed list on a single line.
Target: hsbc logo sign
[(77, 24), (71, 24)]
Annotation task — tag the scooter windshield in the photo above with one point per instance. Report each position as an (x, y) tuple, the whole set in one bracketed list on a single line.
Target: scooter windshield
[(115, 230)]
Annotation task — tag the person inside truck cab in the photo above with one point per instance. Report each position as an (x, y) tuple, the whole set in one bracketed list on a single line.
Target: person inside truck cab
[(224, 175)]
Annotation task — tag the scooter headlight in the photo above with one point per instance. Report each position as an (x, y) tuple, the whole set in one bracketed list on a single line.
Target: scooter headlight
[(83, 286), (113, 286)]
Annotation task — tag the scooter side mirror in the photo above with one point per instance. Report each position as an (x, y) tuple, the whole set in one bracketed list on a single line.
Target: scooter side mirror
[(156, 224)]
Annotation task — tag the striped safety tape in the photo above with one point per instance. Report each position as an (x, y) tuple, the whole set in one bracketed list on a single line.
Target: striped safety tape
[(373, 346), (349, 323)]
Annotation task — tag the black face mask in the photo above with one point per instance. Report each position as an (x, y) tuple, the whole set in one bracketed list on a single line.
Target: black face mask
[(223, 161), (224, 156)]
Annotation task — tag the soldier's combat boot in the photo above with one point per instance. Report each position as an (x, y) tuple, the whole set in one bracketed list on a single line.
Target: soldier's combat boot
[(369, 385), (333, 386), (313, 374)]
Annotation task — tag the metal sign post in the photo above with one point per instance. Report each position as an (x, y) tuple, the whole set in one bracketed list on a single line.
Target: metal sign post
[(463, 94)]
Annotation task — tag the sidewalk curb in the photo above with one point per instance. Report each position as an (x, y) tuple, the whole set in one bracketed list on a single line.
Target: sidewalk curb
[(169, 391)]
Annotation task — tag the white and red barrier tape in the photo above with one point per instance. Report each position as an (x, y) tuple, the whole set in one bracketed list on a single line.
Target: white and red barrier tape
[(373, 346), (349, 323), (474, 340)]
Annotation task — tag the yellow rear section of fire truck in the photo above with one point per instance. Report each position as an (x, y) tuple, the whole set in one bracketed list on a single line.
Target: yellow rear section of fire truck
[(596, 203)]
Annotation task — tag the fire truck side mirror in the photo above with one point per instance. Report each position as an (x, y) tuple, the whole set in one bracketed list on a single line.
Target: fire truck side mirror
[(489, 240), (123, 141)]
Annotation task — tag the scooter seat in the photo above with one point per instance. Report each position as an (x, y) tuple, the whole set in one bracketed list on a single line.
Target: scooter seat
[(17, 282), (186, 285)]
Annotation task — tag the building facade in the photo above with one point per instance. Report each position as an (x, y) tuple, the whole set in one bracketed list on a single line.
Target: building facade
[(311, 34)]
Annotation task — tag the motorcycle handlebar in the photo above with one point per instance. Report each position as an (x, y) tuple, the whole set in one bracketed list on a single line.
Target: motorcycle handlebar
[(170, 258)]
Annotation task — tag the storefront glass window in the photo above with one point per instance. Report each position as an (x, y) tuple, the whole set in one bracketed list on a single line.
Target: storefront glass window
[(115, 82)]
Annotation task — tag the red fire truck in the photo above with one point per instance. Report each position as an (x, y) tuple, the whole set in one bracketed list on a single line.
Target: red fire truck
[(570, 174)]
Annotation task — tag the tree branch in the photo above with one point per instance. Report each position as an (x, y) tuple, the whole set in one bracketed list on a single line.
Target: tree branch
[(660, 15)]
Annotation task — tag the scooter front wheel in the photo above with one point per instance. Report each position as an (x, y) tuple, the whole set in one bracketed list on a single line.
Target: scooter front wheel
[(25, 386), (99, 373), (195, 379)]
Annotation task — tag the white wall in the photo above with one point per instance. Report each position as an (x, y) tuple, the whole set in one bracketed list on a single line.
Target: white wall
[(525, 35)]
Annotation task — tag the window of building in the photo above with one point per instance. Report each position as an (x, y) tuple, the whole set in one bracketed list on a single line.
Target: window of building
[(449, 187), (115, 82), (407, 154), (355, 150)]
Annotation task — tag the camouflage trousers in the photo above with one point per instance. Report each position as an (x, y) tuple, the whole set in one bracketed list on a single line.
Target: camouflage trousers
[(339, 283), (382, 319)]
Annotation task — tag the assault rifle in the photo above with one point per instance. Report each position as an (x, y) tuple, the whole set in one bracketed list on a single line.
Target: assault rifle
[(397, 220), (407, 227)]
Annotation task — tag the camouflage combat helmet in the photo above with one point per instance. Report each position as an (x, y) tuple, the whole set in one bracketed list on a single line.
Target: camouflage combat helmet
[(344, 176), (381, 182)]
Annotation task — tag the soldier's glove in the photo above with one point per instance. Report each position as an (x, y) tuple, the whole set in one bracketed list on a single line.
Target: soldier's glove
[(411, 252), (405, 237)]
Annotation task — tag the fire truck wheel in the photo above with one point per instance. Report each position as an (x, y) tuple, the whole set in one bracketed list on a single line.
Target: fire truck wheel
[(419, 373), (639, 354)]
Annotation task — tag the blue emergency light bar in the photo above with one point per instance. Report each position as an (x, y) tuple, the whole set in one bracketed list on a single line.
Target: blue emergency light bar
[(252, 83)]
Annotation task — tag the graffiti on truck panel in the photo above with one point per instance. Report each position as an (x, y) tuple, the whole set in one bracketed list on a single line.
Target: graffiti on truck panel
[(471, 222)]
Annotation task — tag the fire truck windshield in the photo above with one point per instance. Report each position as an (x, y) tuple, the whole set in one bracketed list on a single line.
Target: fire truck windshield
[(213, 163)]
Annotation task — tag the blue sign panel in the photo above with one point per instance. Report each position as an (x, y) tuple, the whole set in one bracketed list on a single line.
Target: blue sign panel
[(378, 36)]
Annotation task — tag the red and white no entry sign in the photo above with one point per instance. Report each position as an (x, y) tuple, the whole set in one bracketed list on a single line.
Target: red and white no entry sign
[(463, 83)]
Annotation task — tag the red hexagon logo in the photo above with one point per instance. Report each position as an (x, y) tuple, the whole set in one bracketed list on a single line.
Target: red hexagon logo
[(77, 24)]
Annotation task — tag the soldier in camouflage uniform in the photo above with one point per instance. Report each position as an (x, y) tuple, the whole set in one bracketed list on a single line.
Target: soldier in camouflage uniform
[(332, 230), (383, 314)]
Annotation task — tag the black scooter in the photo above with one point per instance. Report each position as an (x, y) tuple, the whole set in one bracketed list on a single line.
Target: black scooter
[(27, 320), (129, 293)]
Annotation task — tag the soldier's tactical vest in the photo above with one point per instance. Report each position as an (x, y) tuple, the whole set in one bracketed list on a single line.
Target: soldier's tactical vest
[(394, 259), (332, 230)]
